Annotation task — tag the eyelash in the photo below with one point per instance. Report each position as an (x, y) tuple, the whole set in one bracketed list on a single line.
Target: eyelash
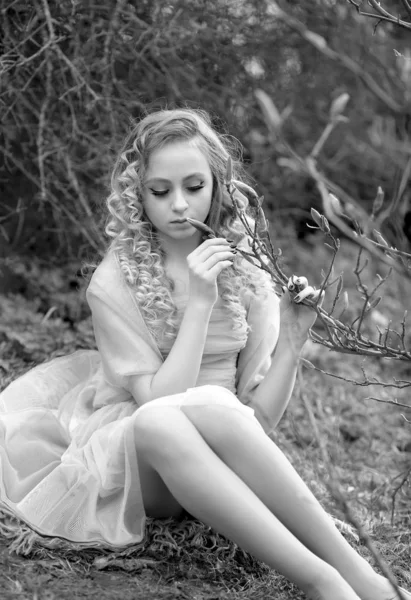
[(191, 189)]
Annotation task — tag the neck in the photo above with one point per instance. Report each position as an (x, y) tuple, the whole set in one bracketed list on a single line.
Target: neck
[(178, 250)]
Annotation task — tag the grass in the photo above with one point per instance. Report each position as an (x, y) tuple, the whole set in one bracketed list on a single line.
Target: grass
[(368, 443)]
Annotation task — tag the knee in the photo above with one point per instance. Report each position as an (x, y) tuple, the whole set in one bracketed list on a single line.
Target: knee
[(221, 425), (160, 431), (153, 424)]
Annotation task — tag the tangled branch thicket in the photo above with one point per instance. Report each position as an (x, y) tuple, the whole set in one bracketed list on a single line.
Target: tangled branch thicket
[(73, 76)]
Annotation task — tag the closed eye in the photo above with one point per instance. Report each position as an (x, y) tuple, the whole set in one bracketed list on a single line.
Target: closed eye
[(195, 188), (158, 192)]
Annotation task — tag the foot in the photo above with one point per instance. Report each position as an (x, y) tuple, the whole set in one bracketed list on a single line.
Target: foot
[(381, 589)]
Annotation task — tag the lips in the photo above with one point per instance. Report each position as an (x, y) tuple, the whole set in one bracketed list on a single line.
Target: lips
[(179, 221)]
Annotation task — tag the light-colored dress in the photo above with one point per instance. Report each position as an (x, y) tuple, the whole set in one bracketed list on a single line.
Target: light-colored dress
[(68, 463)]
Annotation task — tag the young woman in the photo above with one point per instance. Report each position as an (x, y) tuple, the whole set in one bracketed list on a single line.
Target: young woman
[(196, 362)]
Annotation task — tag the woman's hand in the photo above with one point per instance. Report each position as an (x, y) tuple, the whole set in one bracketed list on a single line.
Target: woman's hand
[(296, 319), (205, 263)]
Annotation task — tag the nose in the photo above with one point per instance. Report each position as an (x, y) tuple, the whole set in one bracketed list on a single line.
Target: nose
[(179, 202)]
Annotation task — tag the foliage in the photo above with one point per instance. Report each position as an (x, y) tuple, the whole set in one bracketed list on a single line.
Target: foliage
[(73, 74)]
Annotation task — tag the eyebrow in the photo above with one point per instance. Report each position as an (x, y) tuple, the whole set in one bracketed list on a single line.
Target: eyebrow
[(162, 180)]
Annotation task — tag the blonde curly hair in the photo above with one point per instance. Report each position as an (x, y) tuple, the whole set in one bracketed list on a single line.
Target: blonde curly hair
[(134, 238)]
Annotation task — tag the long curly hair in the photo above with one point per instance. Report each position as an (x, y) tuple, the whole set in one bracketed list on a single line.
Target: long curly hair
[(135, 240)]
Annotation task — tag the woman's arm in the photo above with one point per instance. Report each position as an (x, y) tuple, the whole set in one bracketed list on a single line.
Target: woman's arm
[(181, 368), (274, 392)]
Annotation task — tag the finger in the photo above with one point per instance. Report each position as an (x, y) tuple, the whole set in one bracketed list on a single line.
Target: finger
[(301, 282), (211, 244), (291, 284), (217, 251), (208, 247), (210, 241), (217, 257), (216, 270), (297, 283), (318, 296), (305, 293)]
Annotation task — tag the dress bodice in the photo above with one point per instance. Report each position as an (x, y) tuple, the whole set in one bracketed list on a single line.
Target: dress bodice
[(223, 343)]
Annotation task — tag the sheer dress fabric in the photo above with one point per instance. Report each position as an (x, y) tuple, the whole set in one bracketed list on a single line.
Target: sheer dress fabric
[(68, 462)]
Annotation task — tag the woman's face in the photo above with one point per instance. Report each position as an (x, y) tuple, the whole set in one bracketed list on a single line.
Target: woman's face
[(178, 183)]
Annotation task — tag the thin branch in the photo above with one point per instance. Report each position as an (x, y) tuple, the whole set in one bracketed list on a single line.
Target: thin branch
[(320, 43), (337, 494), (366, 382), (383, 401), (382, 15), (407, 6), (339, 223), (396, 490), (59, 206)]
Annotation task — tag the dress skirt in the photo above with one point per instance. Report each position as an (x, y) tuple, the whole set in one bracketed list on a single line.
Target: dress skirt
[(69, 469)]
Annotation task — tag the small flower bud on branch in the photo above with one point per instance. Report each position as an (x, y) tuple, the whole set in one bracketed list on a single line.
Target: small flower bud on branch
[(335, 204), (378, 201), (270, 111), (315, 215), (205, 229), (338, 105)]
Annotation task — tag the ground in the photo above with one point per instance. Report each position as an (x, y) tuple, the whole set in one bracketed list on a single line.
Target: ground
[(368, 444)]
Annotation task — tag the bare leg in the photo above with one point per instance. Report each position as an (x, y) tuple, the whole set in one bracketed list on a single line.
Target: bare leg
[(253, 456), (208, 489)]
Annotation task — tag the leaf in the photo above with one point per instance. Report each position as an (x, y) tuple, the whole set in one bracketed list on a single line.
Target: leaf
[(345, 300), (246, 189), (334, 204), (289, 163), (325, 227), (270, 112), (262, 224), (307, 363), (339, 286), (316, 40), (380, 239), (201, 227), (338, 105), (374, 303), (315, 215), (378, 201)]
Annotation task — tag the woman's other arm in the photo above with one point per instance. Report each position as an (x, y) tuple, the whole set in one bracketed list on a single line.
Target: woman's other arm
[(181, 368), (271, 397), (273, 394)]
